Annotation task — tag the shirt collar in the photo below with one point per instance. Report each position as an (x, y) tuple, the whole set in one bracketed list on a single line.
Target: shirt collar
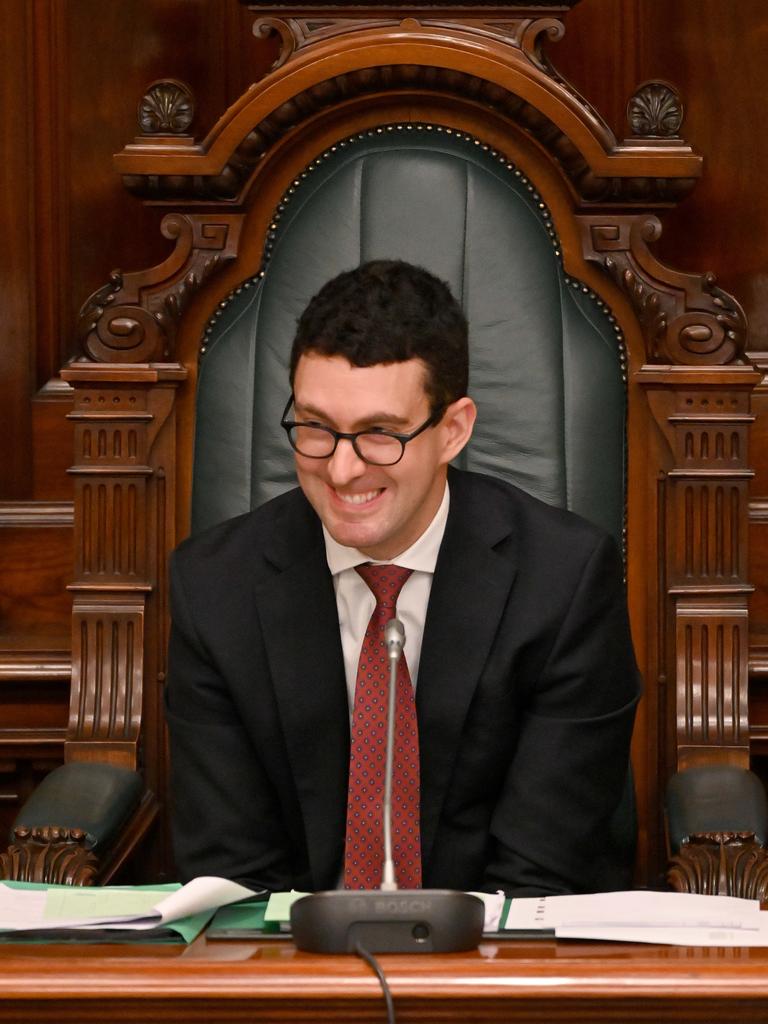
[(421, 556)]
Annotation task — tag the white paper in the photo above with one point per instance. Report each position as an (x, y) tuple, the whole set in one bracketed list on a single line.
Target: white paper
[(634, 909), (672, 936), (204, 893), (493, 903), (35, 909), (16, 906)]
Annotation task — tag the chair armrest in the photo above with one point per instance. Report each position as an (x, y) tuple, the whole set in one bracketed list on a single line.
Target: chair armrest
[(716, 828), (96, 799), (715, 798)]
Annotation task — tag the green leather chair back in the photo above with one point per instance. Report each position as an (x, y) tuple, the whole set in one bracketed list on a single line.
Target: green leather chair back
[(545, 354)]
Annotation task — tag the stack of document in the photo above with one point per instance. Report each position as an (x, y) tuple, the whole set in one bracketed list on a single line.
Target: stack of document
[(114, 911), (672, 918)]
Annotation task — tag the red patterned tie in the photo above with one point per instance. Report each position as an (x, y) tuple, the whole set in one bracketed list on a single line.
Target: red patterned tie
[(364, 851)]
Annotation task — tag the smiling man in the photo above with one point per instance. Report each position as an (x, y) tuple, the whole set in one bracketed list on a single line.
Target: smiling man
[(516, 694)]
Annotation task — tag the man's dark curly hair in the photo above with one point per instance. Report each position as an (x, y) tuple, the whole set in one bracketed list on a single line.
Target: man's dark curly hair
[(389, 311)]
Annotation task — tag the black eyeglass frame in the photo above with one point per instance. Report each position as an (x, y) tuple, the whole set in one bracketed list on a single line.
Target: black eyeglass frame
[(340, 435)]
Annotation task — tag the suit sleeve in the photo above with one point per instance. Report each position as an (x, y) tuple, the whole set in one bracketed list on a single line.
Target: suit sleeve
[(224, 810), (565, 818)]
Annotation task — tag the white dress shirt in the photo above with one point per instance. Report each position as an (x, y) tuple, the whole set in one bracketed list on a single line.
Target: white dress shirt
[(355, 601)]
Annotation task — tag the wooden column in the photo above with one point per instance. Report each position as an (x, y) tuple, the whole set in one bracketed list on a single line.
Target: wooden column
[(124, 528), (705, 417)]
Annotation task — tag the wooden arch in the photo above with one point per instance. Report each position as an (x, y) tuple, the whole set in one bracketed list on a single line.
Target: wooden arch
[(478, 69)]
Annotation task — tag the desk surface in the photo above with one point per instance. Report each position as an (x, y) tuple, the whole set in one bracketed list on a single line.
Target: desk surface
[(271, 981)]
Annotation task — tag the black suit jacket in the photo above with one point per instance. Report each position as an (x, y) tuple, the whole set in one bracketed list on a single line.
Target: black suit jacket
[(525, 698)]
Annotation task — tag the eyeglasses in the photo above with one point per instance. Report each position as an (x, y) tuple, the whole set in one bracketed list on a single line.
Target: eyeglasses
[(377, 447)]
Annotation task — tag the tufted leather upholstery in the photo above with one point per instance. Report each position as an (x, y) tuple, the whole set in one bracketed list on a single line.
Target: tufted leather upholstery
[(544, 356)]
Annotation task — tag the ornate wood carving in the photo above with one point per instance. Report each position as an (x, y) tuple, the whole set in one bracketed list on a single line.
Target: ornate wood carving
[(655, 111), (704, 416), (686, 318), (721, 863), (116, 423), (523, 33), (133, 318), (107, 664), (517, 84), (167, 108), (124, 429), (55, 856)]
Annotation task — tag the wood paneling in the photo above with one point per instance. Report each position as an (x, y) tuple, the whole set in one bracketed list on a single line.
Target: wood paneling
[(16, 277), (716, 54), (37, 566), (601, 53), (205, 43)]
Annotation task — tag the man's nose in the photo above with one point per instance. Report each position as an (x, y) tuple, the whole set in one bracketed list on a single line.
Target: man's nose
[(345, 464)]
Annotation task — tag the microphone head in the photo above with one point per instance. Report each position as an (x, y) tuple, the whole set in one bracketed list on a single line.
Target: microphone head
[(394, 637)]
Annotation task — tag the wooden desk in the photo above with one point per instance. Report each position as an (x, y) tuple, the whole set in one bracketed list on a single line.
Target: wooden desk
[(582, 983)]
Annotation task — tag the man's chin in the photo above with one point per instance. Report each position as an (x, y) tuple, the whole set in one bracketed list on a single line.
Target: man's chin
[(355, 537)]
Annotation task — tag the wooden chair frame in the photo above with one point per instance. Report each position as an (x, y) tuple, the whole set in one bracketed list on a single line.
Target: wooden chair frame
[(480, 70)]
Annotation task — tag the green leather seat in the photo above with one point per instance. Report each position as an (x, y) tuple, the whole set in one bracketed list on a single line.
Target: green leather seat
[(96, 798)]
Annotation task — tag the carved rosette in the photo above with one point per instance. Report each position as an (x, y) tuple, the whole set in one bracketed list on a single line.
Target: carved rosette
[(686, 319), (133, 318), (655, 111), (721, 864), (53, 856), (167, 108)]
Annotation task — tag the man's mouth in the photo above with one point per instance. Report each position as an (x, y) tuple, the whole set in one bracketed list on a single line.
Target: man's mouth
[(359, 499)]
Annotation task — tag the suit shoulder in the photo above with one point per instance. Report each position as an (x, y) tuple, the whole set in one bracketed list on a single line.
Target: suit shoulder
[(252, 532), (492, 496)]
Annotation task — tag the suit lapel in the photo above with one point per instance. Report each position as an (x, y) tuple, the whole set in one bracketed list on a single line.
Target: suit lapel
[(297, 610), (469, 593)]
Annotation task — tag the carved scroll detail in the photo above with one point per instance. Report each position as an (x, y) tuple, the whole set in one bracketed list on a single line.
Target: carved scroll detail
[(655, 111), (686, 318), (55, 856), (134, 317), (107, 663), (285, 30), (712, 704), (167, 108), (296, 34), (721, 863)]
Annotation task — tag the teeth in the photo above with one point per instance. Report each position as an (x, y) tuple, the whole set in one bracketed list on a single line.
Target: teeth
[(358, 499)]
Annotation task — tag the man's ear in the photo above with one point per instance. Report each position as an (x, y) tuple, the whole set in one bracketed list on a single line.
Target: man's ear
[(457, 424)]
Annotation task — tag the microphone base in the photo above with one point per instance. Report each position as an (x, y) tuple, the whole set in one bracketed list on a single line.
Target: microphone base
[(404, 921)]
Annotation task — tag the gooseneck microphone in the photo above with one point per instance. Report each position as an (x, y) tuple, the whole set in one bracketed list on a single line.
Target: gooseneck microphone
[(394, 639), (388, 920)]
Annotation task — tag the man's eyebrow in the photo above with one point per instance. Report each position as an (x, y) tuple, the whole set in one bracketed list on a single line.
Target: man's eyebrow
[(374, 418)]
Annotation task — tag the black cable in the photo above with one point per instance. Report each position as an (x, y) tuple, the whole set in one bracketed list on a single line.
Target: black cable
[(375, 966)]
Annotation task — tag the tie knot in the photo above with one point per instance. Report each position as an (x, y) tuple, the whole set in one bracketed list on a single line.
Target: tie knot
[(384, 581)]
